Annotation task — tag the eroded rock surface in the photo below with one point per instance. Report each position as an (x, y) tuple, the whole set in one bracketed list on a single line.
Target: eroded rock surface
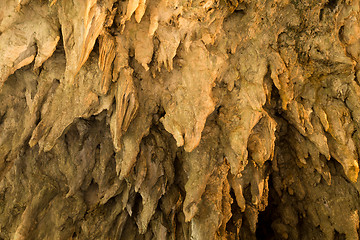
[(179, 119)]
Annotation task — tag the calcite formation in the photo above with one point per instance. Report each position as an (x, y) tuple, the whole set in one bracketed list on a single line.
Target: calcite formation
[(176, 119)]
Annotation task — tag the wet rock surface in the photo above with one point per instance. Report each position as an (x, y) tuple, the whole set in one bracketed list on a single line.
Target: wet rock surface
[(179, 119)]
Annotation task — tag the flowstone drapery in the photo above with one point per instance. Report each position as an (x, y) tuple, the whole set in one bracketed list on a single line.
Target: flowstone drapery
[(174, 119)]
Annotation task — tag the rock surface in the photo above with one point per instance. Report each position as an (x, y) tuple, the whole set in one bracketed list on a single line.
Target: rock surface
[(174, 119)]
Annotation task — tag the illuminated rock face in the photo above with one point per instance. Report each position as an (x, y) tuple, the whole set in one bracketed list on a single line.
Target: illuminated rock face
[(177, 119)]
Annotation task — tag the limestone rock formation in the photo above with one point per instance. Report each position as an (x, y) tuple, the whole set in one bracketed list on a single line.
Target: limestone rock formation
[(177, 119)]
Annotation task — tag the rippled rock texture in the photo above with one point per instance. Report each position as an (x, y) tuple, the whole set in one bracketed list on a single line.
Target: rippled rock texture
[(177, 119)]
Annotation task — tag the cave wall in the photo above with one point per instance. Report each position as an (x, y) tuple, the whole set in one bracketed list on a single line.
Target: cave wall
[(179, 119)]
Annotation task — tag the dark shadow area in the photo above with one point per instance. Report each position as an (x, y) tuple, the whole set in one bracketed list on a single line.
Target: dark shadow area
[(264, 230)]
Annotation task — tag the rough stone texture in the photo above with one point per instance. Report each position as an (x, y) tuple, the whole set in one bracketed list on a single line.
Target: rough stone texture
[(176, 119)]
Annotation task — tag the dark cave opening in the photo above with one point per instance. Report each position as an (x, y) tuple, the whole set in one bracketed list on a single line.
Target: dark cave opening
[(264, 229)]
